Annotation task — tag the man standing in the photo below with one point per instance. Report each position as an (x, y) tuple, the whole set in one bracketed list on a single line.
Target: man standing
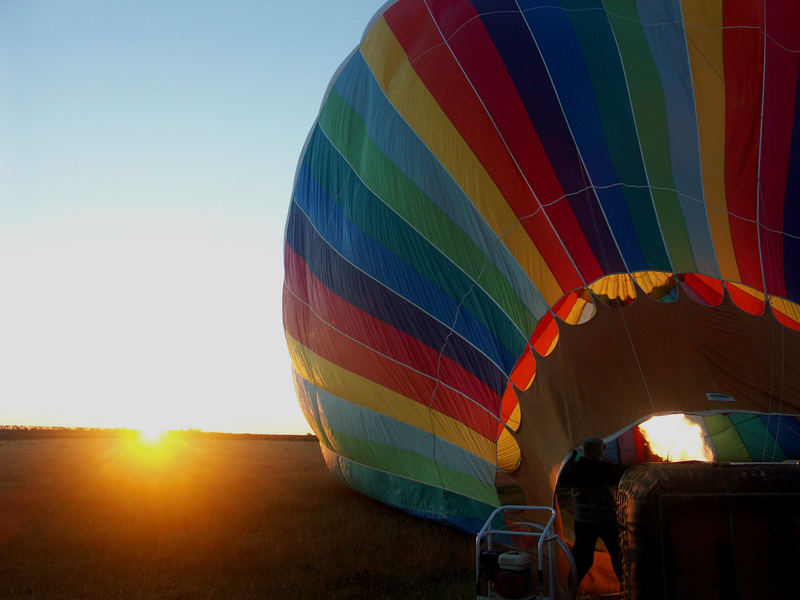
[(591, 479)]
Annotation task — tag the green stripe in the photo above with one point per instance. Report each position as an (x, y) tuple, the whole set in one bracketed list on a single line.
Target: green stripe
[(409, 465), (726, 440), (756, 437), (347, 131), (379, 222), (408, 494), (650, 113), (611, 95)]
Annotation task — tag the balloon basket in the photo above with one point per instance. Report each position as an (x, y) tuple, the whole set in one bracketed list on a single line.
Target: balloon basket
[(711, 531)]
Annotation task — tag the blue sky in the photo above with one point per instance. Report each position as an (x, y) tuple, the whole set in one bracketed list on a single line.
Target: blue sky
[(147, 154)]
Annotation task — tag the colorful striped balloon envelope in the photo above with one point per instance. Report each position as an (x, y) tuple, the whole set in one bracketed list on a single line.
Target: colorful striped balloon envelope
[(518, 223)]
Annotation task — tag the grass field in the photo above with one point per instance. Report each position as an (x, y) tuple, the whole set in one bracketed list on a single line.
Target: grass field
[(208, 518)]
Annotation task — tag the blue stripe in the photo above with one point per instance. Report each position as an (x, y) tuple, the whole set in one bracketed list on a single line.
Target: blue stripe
[(791, 210), (663, 26), (356, 287), (514, 42), (609, 88), (372, 258), (393, 136), (329, 218), (310, 409), (786, 430), (612, 451), (563, 56)]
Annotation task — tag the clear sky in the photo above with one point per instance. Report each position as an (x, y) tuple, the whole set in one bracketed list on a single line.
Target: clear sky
[(147, 156)]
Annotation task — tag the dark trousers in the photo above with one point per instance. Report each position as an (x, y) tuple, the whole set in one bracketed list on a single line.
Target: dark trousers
[(586, 535)]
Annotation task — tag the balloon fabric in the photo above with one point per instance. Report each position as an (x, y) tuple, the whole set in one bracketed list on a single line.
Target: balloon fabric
[(518, 223)]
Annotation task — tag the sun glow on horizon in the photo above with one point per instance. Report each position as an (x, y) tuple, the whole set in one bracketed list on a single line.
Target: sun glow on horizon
[(140, 331), (152, 435), (677, 438), (151, 450)]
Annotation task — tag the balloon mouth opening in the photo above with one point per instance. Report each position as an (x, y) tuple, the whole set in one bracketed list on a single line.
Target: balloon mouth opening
[(657, 415), (618, 291)]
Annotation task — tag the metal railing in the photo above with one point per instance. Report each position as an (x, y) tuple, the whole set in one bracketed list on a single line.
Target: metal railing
[(516, 533)]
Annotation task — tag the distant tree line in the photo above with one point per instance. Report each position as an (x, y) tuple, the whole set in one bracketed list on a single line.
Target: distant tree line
[(25, 432)]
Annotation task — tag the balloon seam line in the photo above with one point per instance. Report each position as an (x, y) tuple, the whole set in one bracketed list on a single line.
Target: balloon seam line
[(386, 287), (432, 244), (707, 229), (489, 228), (760, 151), (642, 157), (511, 154), (396, 361), (411, 479), (574, 141)]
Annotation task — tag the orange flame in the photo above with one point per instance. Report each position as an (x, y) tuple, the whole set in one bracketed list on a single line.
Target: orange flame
[(677, 437)]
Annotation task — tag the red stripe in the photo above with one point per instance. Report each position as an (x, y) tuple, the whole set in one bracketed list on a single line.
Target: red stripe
[(331, 345), (510, 402), (786, 320), (295, 272), (772, 256), (546, 331), (708, 289), (783, 29), (377, 337), (745, 301), (639, 440), (433, 62), (475, 51), (743, 60), (383, 337), (565, 305), (355, 322), (524, 371)]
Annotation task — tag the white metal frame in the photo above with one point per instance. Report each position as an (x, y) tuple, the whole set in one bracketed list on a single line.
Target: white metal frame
[(547, 539)]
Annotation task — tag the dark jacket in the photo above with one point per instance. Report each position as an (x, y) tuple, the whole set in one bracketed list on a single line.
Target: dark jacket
[(591, 482)]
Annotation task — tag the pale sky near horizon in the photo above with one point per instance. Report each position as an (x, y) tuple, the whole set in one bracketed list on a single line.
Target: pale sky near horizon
[(147, 156)]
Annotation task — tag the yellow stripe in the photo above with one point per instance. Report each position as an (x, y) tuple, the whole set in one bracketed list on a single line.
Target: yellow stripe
[(515, 418), (785, 307), (575, 313), (413, 101), (758, 295), (616, 287), (650, 280), (508, 452), (369, 394), (704, 37)]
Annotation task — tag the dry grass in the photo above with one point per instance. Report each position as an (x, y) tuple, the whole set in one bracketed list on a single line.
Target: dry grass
[(108, 518)]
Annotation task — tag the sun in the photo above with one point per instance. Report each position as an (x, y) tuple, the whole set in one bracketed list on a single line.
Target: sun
[(152, 434)]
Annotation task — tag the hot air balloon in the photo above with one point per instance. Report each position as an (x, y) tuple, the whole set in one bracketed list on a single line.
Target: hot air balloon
[(518, 223)]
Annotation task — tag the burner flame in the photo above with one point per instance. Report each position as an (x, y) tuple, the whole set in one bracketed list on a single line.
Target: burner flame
[(677, 438)]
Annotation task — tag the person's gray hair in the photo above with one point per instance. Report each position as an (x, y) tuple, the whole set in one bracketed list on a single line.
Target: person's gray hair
[(593, 447)]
